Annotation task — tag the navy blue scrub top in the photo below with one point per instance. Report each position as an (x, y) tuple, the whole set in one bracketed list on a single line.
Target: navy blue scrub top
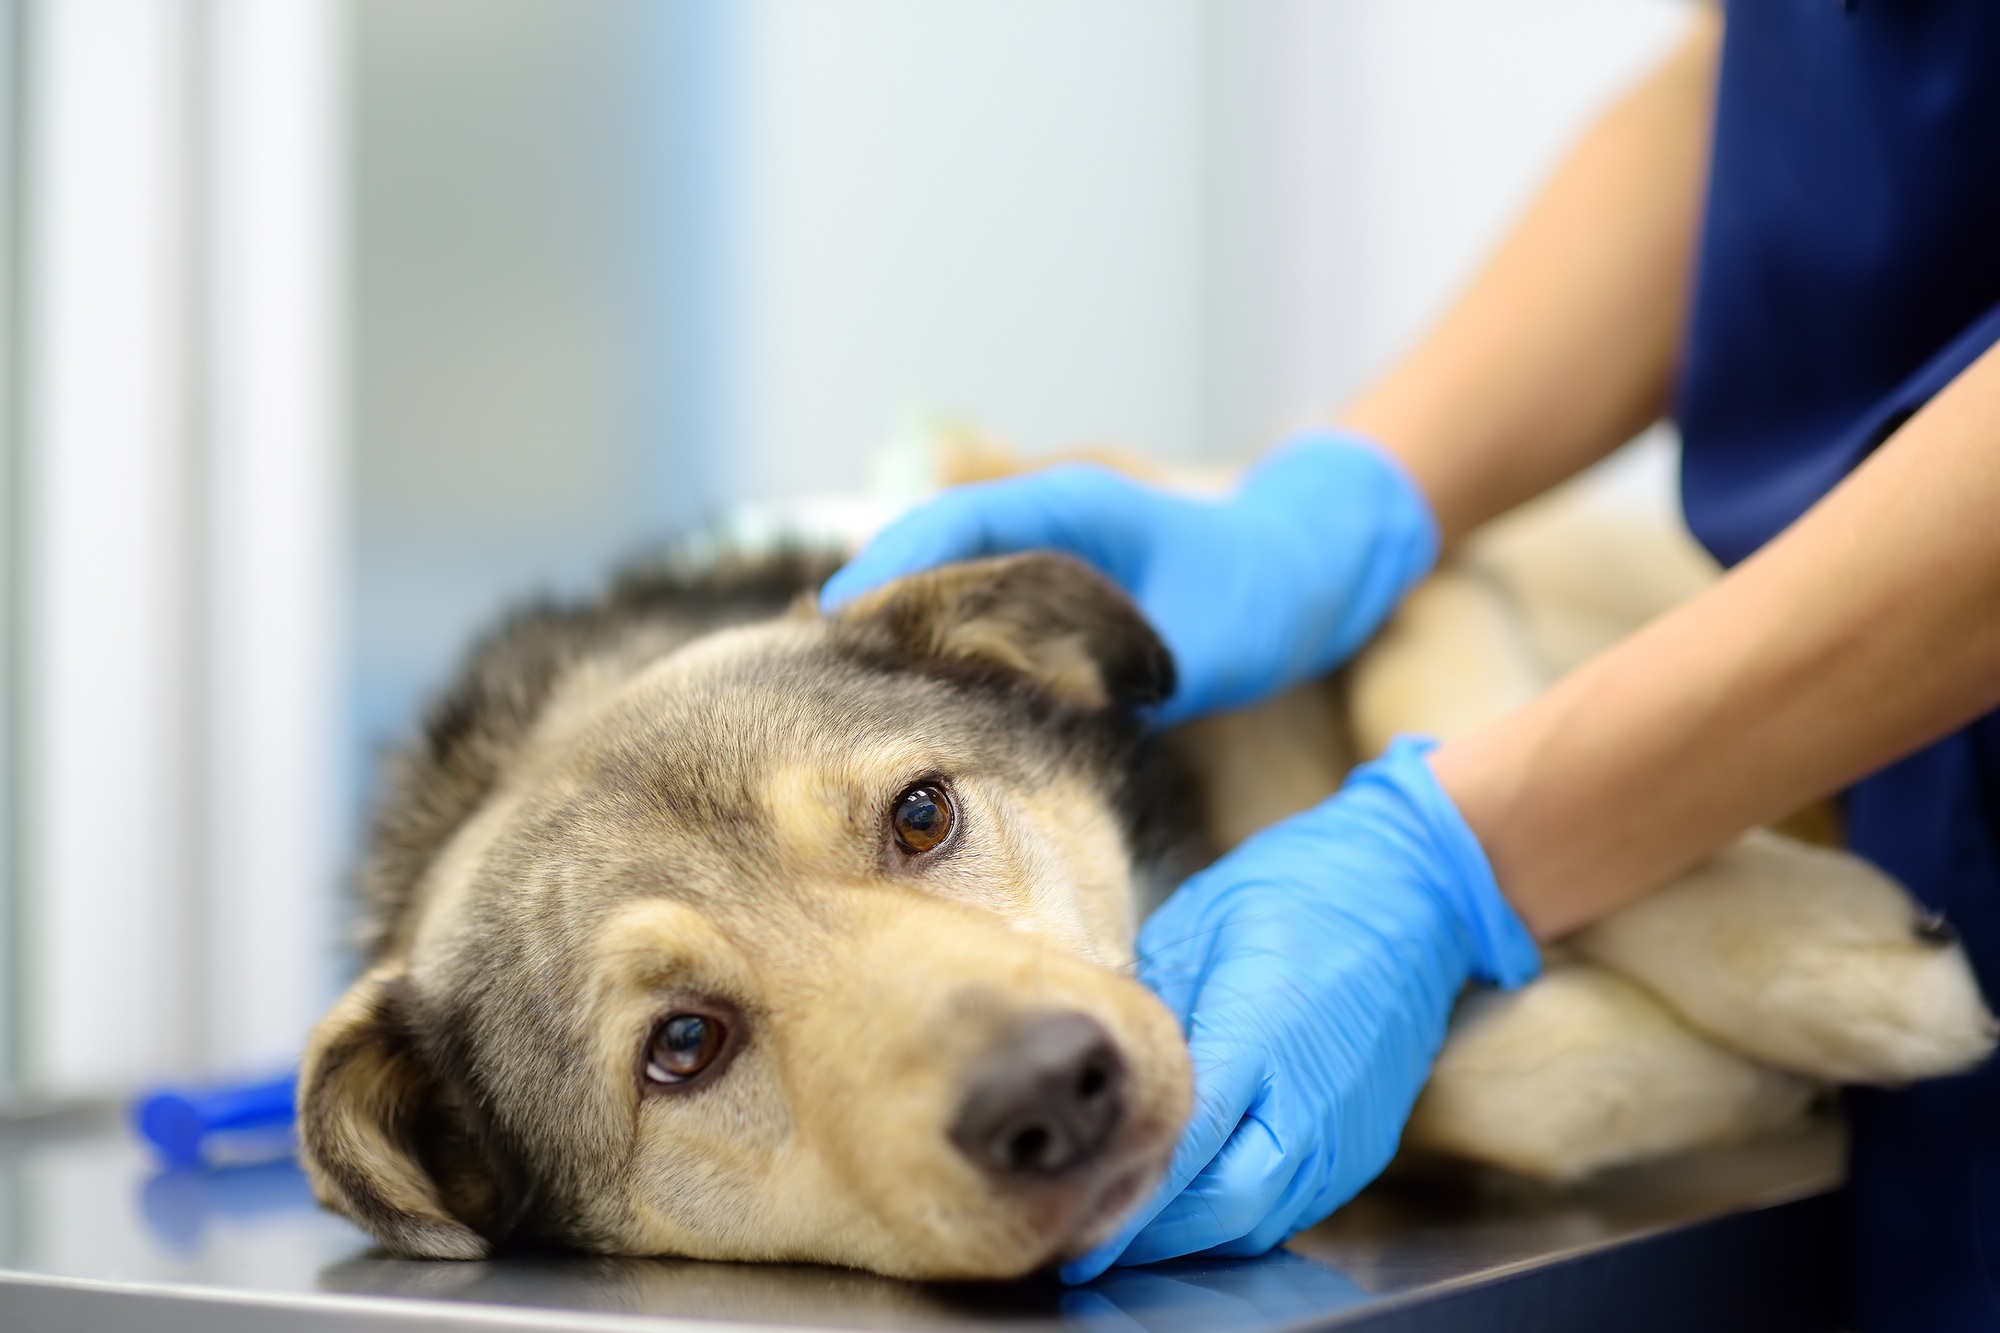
[(1849, 269)]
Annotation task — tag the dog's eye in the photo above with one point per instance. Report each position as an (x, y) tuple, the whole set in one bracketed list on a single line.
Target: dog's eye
[(922, 818), (683, 1046)]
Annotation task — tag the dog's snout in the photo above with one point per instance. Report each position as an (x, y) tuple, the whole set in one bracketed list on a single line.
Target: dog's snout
[(1047, 1098)]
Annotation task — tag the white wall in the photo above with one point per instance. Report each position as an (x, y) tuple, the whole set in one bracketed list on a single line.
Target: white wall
[(276, 511), (1368, 154), (957, 204), (1176, 224), (501, 365), (181, 549), (620, 263), (107, 729), (11, 509)]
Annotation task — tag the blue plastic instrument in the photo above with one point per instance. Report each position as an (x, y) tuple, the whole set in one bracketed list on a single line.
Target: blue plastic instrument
[(196, 1126)]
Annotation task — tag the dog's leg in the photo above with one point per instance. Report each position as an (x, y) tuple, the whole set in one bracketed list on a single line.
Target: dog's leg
[(1804, 958), (1454, 658), (1258, 765), (1583, 1070), (1585, 578)]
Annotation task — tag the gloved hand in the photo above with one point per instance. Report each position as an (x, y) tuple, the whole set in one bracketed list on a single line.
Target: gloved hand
[(1270, 586), (1313, 970)]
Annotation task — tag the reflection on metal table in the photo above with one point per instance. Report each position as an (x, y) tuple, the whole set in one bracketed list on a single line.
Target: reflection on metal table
[(94, 1236)]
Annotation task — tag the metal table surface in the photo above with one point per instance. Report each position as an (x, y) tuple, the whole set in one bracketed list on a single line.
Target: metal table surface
[(93, 1236)]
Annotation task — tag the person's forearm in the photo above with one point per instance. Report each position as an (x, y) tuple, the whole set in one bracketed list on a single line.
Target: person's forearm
[(1564, 346), (1866, 630)]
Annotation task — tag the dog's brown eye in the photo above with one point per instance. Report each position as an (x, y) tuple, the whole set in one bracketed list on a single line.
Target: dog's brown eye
[(922, 818), (682, 1047)]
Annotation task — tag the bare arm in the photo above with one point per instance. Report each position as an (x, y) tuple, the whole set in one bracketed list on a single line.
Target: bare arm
[(1564, 347), (1864, 631), (1867, 630)]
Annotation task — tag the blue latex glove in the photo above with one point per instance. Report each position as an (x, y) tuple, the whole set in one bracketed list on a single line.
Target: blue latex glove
[(1313, 970), (1272, 585)]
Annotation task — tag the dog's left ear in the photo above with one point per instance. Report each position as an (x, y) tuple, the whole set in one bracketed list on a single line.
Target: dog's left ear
[(1053, 620)]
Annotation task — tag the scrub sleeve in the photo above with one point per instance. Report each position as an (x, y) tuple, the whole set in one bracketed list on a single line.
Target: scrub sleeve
[(1849, 269)]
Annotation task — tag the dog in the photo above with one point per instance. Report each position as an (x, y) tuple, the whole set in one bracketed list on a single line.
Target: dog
[(704, 924)]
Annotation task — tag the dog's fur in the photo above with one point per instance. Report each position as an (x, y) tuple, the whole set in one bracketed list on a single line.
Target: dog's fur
[(676, 799)]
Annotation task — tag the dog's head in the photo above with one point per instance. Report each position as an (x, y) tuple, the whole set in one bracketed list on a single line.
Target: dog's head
[(802, 940)]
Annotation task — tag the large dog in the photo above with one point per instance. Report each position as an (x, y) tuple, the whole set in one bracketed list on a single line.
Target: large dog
[(707, 925)]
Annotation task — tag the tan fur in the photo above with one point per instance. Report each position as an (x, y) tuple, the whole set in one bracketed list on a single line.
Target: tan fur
[(1804, 959), (1581, 578), (1583, 1070), (705, 826), (1075, 882), (965, 621), (787, 1161), (1261, 764), (867, 1179), (354, 1126), (1454, 658)]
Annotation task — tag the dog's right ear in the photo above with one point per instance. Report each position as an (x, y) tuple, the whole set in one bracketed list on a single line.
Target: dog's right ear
[(1046, 618), (383, 1142)]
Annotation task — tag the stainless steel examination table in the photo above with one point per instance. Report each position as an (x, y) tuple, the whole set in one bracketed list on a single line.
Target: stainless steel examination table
[(94, 1237)]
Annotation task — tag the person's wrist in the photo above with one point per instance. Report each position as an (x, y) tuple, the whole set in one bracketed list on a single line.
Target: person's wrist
[(1502, 950)]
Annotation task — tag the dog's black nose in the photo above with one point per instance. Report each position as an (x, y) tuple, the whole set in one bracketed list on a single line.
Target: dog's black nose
[(1047, 1098)]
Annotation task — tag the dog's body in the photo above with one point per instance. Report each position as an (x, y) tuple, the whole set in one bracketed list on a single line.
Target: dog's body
[(707, 925)]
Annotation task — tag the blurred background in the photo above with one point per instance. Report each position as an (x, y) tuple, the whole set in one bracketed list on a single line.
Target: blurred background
[(329, 326)]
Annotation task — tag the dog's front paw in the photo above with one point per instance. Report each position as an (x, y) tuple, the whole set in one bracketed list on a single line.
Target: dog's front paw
[(1582, 1070), (1804, 958)]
